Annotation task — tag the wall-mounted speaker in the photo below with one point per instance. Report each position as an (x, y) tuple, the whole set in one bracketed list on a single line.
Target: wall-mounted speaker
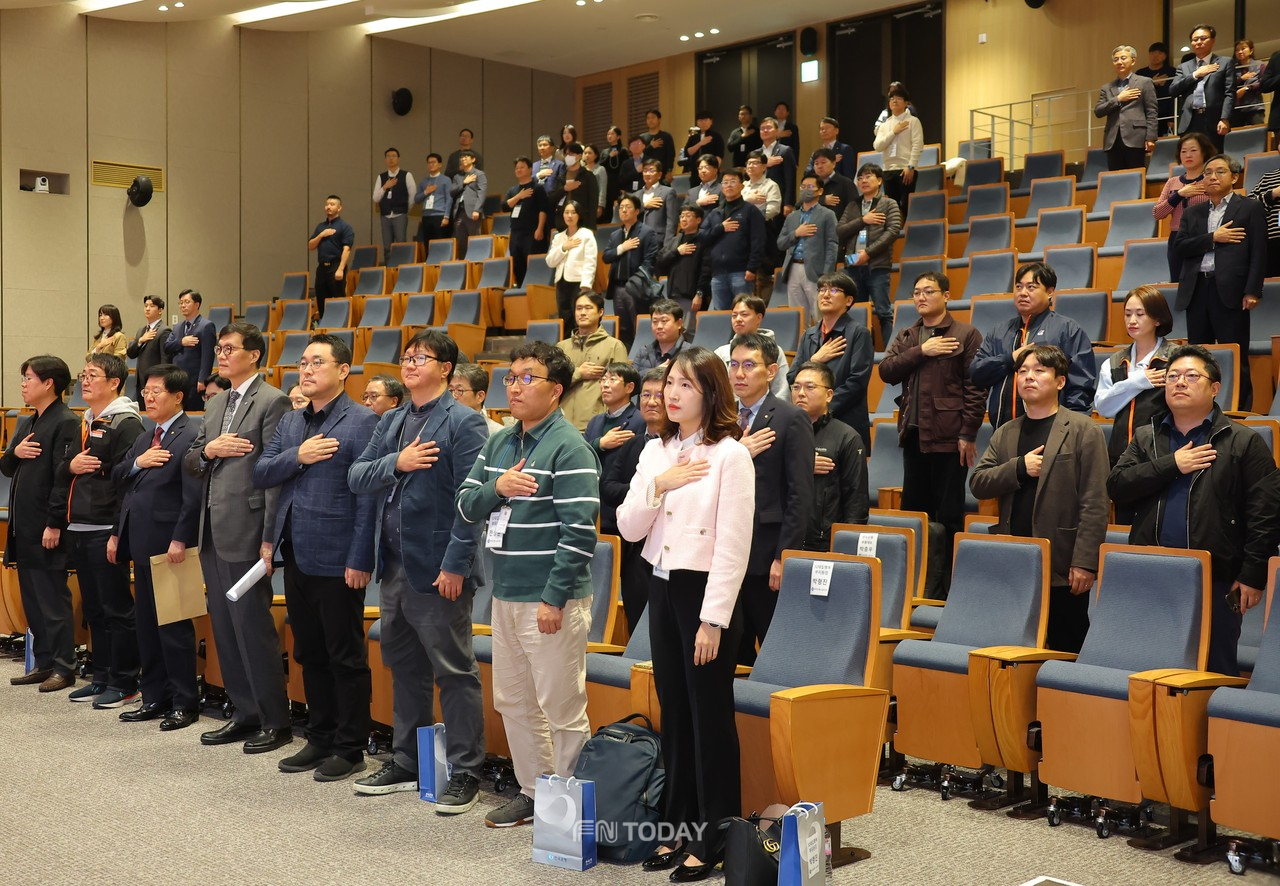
[(140, 191), (808, 41), (1035, 4), (401, 101)]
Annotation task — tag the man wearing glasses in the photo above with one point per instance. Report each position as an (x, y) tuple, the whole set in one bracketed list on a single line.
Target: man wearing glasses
[(428, 567), (323, 537), (237, 526), (1223, 244), (940, 409), (382, 394), (1207, 86), (840, 461), (1199, 480), (535, 489), (190, 347)]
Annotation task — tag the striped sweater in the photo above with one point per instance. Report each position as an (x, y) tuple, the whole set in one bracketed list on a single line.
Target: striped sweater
[(546, 552)]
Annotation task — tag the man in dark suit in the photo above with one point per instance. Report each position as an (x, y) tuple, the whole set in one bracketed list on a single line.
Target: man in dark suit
[(632, 245), (1130, 107), (323, 536), (470, 186), (37, 516), (660, 207), (190, 347), (779, 437), (780, 162), (237, 526), (418, 458), (147, 346), (1223, 244), (658, 143), (837, 190), (1270, 82), (846, 158), (1207, 84), (160, 514)]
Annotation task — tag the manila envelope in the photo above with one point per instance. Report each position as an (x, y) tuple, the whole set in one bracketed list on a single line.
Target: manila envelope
[(179, 589)]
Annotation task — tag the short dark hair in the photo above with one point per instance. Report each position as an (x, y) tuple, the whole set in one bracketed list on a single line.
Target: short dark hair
[(1051, 356), (830, 121), (897, 89), (657, 373), (573, 148), (710, 160), (755, 155), (752, 301), (668, 306), (155, 300), (435, 341), (871, 169), (395, 151), (825, 153), (522, 159), (559, 367), (341, 350), (811, 175), (746, 108), (704, 114), (1154, 303), (474, 375), (112, 366), (633, 200), (841, 281), (941, 279), (439, 159), (217, 381), (1213, 34), (757, 341), (467, 130), (1211, 367), (828, 377), (777, 105), (47, 367), (596, 298), (195, 296), (393, 386), (1040, 272), (1232, 163), (625, 371), (695, 209), (330, 197), (655, 112), (250, 336), (175, 380), (736, 172), (654, 163), (1158, 46), (467, 153)]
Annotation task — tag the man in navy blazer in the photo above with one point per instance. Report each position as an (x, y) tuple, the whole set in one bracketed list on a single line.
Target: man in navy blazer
[(418, 458), (323, 535), (190, 346), (1207, 86), (779, 437), (160, 514), (780, 162), (1223, 244)]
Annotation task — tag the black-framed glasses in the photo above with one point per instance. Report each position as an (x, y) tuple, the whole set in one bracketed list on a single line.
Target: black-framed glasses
[(524, 379), (808, 387), (90, 376), (458, 390), (1191, 377), (304, 365), (227, 350), (744, 365), (416, 359), (921, 293)]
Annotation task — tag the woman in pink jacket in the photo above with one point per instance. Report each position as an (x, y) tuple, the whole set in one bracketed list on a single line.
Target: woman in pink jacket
[(691, 500)]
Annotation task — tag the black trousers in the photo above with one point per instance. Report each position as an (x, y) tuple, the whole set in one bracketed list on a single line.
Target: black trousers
[(1206, 122), (699, 733), (168, 652), (1068, 619), (520, 247), (626, 307), (757, 601), (1121, 156), (327, 620), (46, 599), (464, 228), (1273, 256), (933, 482), (108, 607), (433, 227), (898, 190), (327, 286), (1209, 321), (566, 297), (636, 575), (1224, 632)]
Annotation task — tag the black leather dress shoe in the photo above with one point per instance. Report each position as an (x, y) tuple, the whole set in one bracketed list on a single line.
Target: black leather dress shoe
[(660, 861), (148, 711), (178, 720), (228, 733), (690, 873), (268, 740)]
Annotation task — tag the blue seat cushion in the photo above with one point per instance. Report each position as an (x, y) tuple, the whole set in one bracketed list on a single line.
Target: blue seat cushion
[(1084, 679), (752, 696), (926, 617), (1246, 657), (611, 670), (1245, 706), (375, 631), (934, 656), (483, 646)]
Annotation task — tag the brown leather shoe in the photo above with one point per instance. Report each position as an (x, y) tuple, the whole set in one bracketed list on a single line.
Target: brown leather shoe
[(57, 683), (32, 678)]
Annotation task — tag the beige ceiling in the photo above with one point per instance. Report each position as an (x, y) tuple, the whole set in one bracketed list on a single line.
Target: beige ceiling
[(551, 35)]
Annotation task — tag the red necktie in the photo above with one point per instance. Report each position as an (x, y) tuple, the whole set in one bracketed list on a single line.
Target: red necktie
[(155, 439)]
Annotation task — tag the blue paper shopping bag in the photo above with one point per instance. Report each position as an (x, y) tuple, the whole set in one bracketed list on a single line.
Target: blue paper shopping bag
[(564, 822), (803, 860), (433, 766)]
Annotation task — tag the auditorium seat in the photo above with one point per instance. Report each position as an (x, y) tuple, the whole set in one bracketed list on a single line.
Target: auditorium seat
[(493, 278), (1056, 227), (292, 315), (549, 331), (1042, 164), (991, 199), (929, 179), (219, 316), (1145, 261), (1090, 308), (884, 468), (807, 707), (911, 269), (409, 279), (339, 313), (361, 257), (986, 233), (419, 310), (920, 238), (1258, 165), (295, 285), (1047, 193), (533, 299), (988, 171), (1164, 153), (644, 336), (990, 272), (975, 149), (1095, 163), (990, 311), (258, 313), (462, 322), (451, 277), (496, 400), (479, 248), (715, 328), (1121, 186), (1131, 220), (1245, 140), (927, 205), (372, 281), (403, 254), (787, 325), (377, 311), (610, 696), (1075, 264)]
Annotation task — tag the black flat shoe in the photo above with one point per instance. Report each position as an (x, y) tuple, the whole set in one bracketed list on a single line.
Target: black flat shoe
[(660, 861), (152, 711), (178, 720), (230, 732), (690, 873)]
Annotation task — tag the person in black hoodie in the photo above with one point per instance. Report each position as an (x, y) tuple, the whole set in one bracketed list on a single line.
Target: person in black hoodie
[(735, 235), (686, 263), (109, 427), (37, 516)]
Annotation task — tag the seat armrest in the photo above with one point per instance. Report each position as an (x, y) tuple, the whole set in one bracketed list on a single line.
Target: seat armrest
[(606, 648), (897, 635), (742, 670), (1199, 680), (926, 601), (481, 630), (1022, 654)]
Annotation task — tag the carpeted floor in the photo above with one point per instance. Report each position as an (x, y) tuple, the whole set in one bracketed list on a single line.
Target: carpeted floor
[(93, 800)]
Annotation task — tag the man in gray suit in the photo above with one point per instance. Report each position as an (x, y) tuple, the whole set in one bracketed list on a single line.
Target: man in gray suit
[(1208, 85), (147, 346), (236, 530), (470, 186), (1129, 104), (809, 242)]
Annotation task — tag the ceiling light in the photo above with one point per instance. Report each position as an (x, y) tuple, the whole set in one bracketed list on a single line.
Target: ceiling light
[(100, 5), (444, 13), (714, 31), (163, 8), (281, 10), (684, 38), (581, 2), (699, 34), (179, 5)]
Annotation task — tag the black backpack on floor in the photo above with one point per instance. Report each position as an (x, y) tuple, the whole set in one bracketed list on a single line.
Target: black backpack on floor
[(624, 759)]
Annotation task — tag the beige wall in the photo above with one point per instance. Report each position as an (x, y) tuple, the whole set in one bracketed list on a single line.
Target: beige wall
[(676, 88), (252, 128)]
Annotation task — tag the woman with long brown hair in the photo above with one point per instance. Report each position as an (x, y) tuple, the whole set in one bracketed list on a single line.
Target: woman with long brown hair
[(110, 338), (1131, 382), (691, 500)]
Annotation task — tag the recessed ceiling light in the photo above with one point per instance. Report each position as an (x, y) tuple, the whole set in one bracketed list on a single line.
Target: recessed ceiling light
[(684, 38), (581, 2), (164, 9), (179, 5), (715, 30), (646, 17), (699, 34)]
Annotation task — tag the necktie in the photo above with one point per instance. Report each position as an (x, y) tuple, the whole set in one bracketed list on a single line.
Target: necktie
[(232, 398), (744, 419), (155, 438)]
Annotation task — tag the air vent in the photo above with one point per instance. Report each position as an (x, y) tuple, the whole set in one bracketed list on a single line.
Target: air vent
[(121, 175)]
